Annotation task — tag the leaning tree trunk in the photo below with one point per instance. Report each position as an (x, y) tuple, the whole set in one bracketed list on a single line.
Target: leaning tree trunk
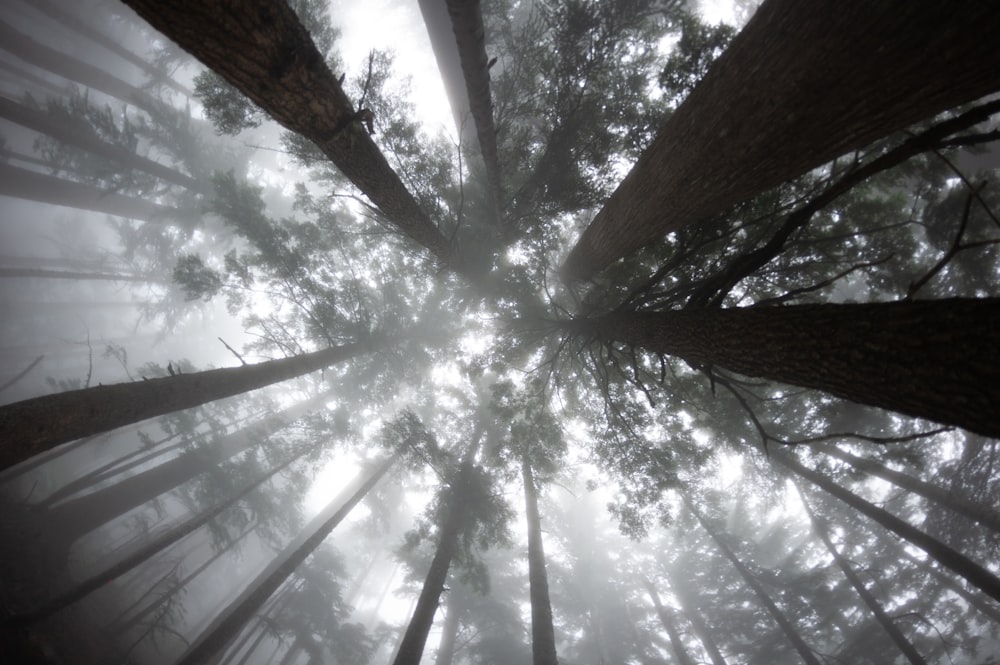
[(543, 638), (983, 514), (33, 425), (411, 648), (787, 628), (693, 615), (873, 605), (934, 359), (261, 48), (803, 83), (683, 658), (976, 574), (227, 625)]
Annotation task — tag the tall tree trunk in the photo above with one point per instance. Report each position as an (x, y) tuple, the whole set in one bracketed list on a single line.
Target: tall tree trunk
[(787, 628), (262, 49), (543, 638), (935, 359), (693, 615), (976, 574), (983, 514), (947, 581), (34, 186), (803, 83), (449, 632), (227, 625), (8, 273), (33, 425), (683, 658), (411, 648), (870, 601), (157, 544)]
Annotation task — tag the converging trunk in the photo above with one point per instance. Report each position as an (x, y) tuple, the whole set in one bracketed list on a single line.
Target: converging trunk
[(683, 658), (936, 359), (543, 640)]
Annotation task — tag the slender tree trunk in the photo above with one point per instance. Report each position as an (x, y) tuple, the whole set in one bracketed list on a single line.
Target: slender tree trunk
[(543, 638), (983, 514), (411, 649), (449, 632), (935, 359), (157, 544), (693, 615), (227, 625), (787, 628), (973, 599), (870, 601), (803, 83), (976, 574), (683, 658), (262, 49), (8, 273), (33, 425)]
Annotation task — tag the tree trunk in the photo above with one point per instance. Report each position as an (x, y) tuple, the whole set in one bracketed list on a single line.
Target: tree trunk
[(261, 48), (8, 273), (803, 83), (670, 626), (975, 512), (976, 574), (543, 638), (693, 615), (33, 425), (974, 600), (449, 632), (229, 622), (157, 544), (34, 186), (934, 359), (787, 628), (411, 649), (881, 616)]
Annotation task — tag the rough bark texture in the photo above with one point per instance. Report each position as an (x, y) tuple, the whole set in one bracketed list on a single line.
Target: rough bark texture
[(670, 626), (802, 83), (787, 628), (225, 627), (470, 35), (411, 648), (261, 48), (932, 359), (543, 639), (946, 556), (33, 425), (873, 605), (977, 512)]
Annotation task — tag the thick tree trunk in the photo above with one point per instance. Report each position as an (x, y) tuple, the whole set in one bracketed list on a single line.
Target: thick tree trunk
[(976, 574), (33, 425), (261, 48), (157, 544), (411, 648), (807, 655), (934, 359), (693, 615), (683, 658), (873, 605), (228, 624), (983, 514), (543, 638), (803, 83)]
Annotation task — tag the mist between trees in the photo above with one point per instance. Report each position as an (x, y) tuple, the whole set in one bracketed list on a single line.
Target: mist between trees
[(670, 342)]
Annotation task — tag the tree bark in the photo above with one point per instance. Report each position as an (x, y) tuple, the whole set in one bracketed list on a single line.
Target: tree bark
[(33, 425), (411, 648), (683, 658), (787, 628), (934, 359), (449, 632), (261, 48), (803, 83), (543, 639), (982, 514), (976, 574), (227, 625), (13, 273), (870, 601)]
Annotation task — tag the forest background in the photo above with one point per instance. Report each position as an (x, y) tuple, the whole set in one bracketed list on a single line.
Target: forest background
[(746, 396)]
